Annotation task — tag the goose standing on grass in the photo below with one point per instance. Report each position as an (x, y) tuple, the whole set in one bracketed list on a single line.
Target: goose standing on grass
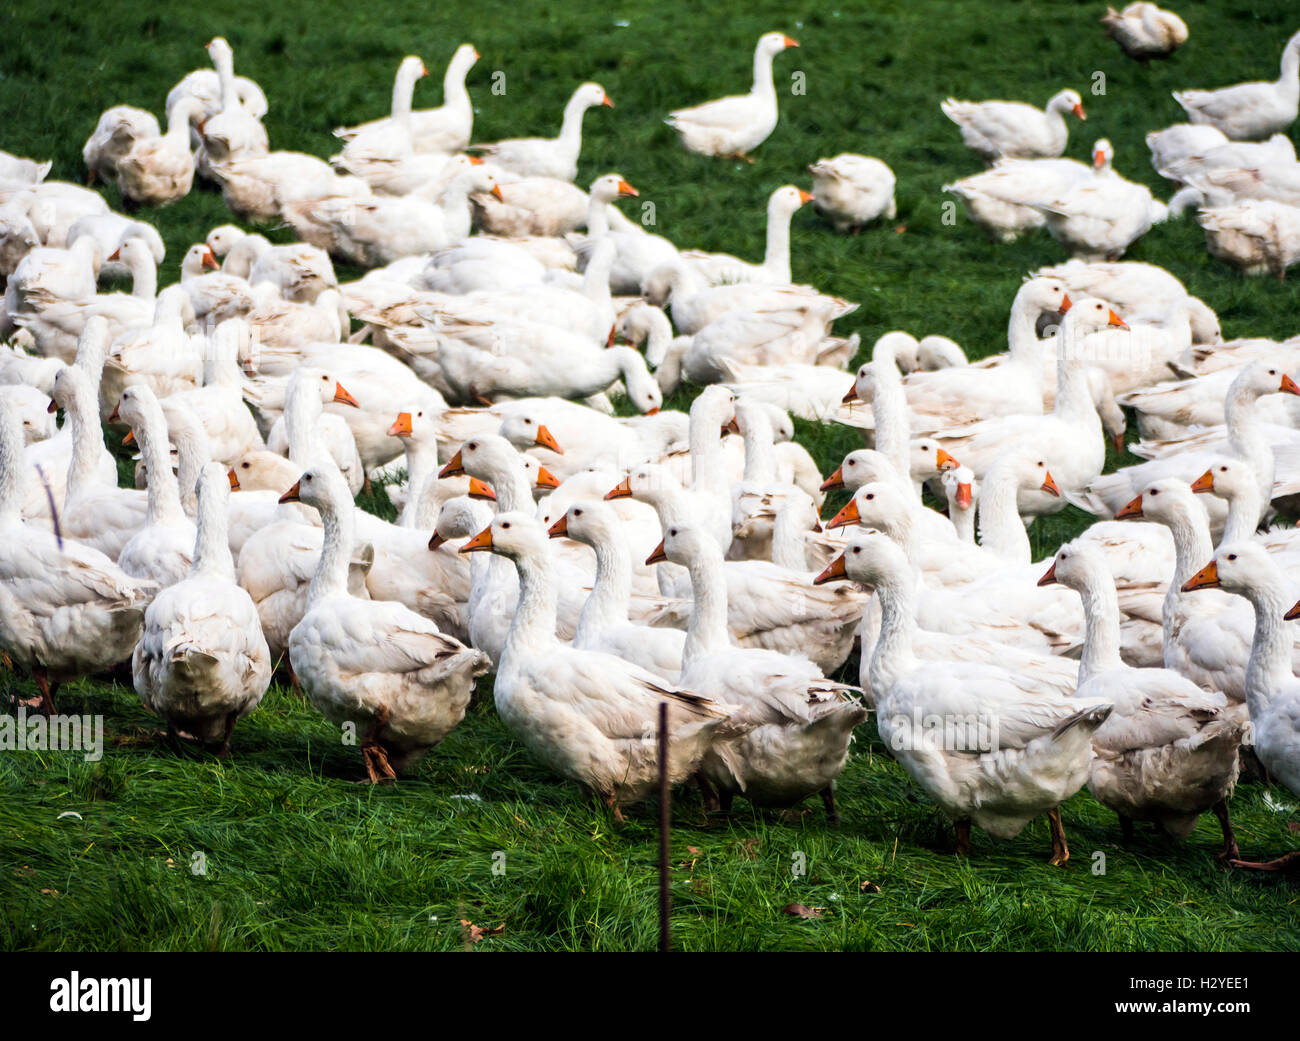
[(116, 133), (1250, 111), (234, 132), (374, 664), (723, 268), (1144, 31), (388, 140), (732, 127), (1272, 689), (163, 549), (587, 715), (550, 156), (853, 190), (1168, 751), (1013, 130), (799, 724), (202, 663), (1027, 748), (65, 609)]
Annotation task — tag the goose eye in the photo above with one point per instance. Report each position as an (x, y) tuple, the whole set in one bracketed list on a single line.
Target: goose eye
[(1232, 556), (528, 422), (1154, 492), (857, 549), (506, 524), (577, 513), (872, 495), (245, 465), (307, 477)]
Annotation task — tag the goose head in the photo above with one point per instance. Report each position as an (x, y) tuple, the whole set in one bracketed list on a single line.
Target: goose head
[(1102, 154), (1262, 377), (610, 187), (772, 44), (1228, 479), (587, 522), (716, 406), (224, 237), (525, 431), (960, 486), (1067, 101), (513, 535), (872, 558), (861, 467), (650, 483), (463, 60), (1078, 566), (928, 459), (590, 95), (875, 505), (1042, 296), (321, 487), (328, 389), (458, 518), (1167, 501), (219, 51), (1025, 469), (643, 389), (786, 200), (1238, 567), (198, 259), (413, 425), (411, 69), (134, 252), (684, 544)]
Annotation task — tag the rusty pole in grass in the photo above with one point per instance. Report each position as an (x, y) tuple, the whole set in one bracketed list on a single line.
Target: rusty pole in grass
[(664, 897)]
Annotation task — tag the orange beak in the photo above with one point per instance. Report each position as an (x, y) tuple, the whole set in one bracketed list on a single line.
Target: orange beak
[(851, 396), (1049, 485), (454, 467), (789, 42), (234, 480), (436, 540), (114, 417), (52, 407), (1206, 578), (835, 569), (129, 438), (1049, 578), (1119, 442), (560, 528), (964, 496), (401, 425), (1131, 510), (343, 397), (1066, 304), (545, 440), (806, 197), (546, 479), (626, 189), (210, 260), (609, 340), (1098, 159), (944, 461), (292, 494), (496, 190), (480, 490), (607, 102), (653, 412), (1292, 614), (848, 515), (480, 542), (1288, 385), (835, 480), (1204, 483), (1078, 111), (116, 254), (622, 490), (658, 556), (475, 160), (731, 426), (1113, 319)]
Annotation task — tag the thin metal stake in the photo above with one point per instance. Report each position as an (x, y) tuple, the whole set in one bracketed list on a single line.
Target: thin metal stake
[(665, 899)]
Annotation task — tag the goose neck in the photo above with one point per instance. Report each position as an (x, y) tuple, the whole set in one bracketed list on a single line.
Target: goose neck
[(87, 439), (12, 468), (331, 578), (763, 83), (1001, 530), (612, 590), (1101, 634), (893, 655), (1270, 653), (212, 543), (776, 257), (164, 497), (535, 616), (707, 631)]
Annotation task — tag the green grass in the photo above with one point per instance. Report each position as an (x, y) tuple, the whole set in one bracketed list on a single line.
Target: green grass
[(299, 857)]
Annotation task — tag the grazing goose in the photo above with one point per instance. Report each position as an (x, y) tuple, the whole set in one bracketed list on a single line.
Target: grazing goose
[(1144, 31), (734, 126), (202, 662), (853, 190)]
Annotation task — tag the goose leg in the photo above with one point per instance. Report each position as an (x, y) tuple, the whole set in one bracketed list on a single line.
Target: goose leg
[(1060, 851), (47, 691), (611, 801), (1229, 851), (724, 802), (709, 793), (224, 751), (828, 801), (963, 837), (377, 765)]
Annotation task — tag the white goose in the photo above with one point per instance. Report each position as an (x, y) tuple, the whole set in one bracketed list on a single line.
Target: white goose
[(545, 156), (1272, 691), (604, 625), (159, 170), (162, 550), (799, 724), (374, 664), (1168, 751), (65, 608), (1144, 31), (1250, 111), (723, 268), (582, 713), (997, 129), (372, 148), (116, 133), (1028, 749), (234, 132), (202, 662), (636, 251), (853, 190), (734, 126)]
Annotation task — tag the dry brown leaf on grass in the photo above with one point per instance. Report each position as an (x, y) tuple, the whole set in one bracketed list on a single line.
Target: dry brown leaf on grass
[(475, 933), (801, 911)]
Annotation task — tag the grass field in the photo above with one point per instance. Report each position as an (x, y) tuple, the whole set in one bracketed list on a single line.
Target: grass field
[(294, 855)]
